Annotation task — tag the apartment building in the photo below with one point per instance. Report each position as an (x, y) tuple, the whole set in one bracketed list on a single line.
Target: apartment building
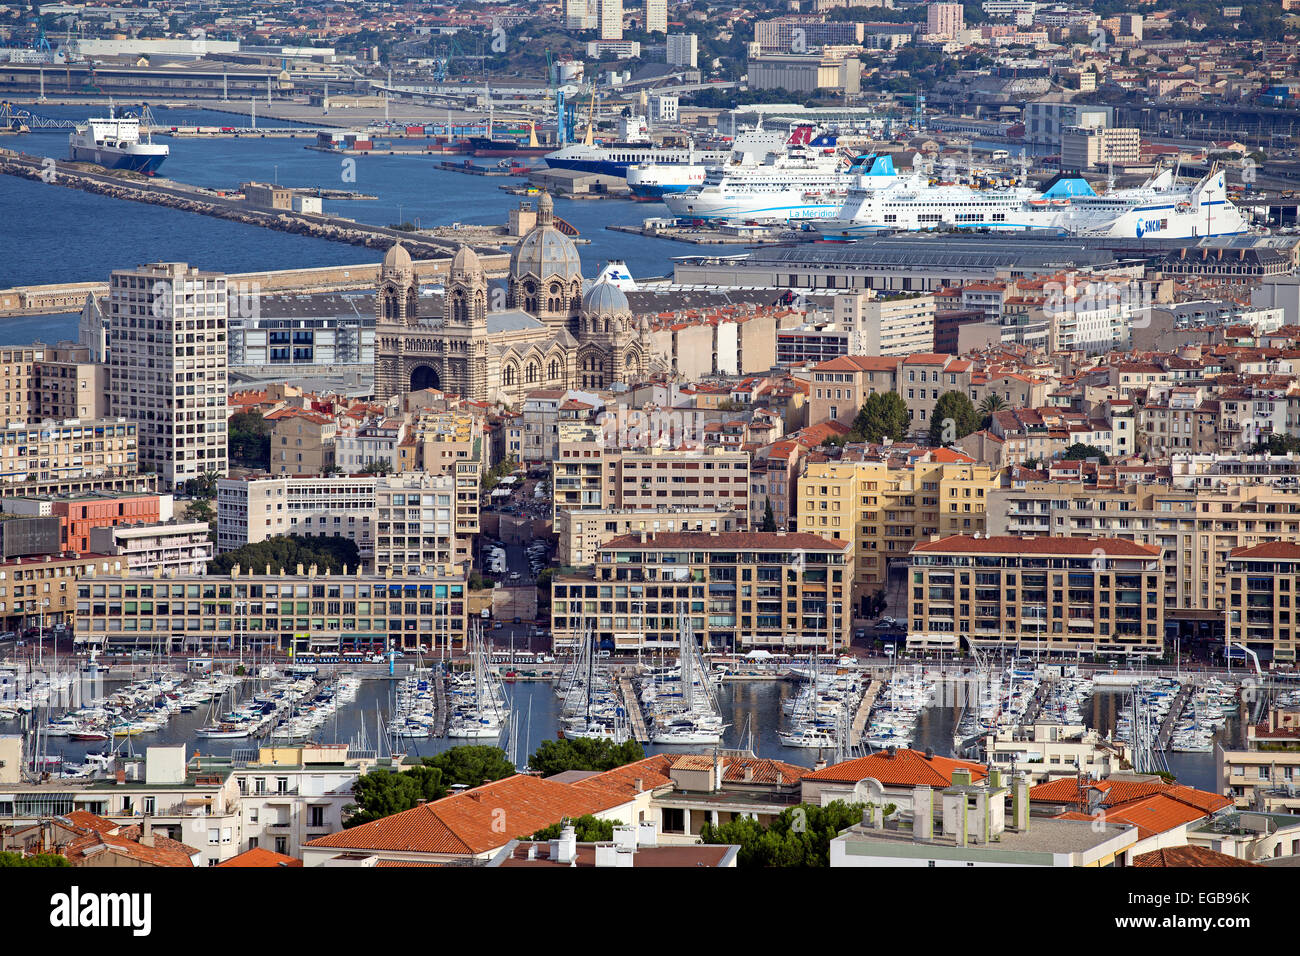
[(302, 442), (306, 611), (884, 508), (581, 533), (374, 443), (256, 508), (1262, 598), (67, 384), (897, 325), (166, 547), (1090, 147), (41, 590), (841, 386), (587, 474), (69, 449), (610, 19), (1265, 774), (1197, 530), (786, 592), (1052, 595), (79, 514), (167, 366), (219, 805), (944, 19), (805, 73), (656, 16), (416, 524)]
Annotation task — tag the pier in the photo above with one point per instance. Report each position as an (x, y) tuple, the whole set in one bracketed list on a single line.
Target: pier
[(440, 711), (189, 198), (1176, 709), (864, 712), (635, 719)]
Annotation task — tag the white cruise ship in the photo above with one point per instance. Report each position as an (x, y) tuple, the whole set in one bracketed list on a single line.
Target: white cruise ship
[(882, 200), (802, 178)]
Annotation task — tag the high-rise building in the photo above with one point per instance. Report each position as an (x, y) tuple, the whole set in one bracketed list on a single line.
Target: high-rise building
[(611, 19), (944, 19), (656, 16), (578, 15), (683, 50), (167, 366)]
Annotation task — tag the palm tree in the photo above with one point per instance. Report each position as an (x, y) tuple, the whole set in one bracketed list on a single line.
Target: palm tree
[(993, 402)]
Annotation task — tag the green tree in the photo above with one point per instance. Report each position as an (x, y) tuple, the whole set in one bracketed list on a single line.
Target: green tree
[(557, 756), (1079, 451), (799, 837), (36, 859), (201, 510), (883, 415), (1277, 445), (382, 793), (954, 418), (286, 552), (380, 466), (250, 440), (471, 765), (769, 517), (586, 828)]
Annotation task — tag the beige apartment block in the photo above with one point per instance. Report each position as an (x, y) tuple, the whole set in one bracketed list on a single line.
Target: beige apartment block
[(885, 511), (1072, 596), (167, 366), (581, 533), (1196, 529), (783, 592)]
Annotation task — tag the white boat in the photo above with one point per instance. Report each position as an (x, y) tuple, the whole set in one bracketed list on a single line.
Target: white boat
[(881, 200), (800, 178), (114, 143)]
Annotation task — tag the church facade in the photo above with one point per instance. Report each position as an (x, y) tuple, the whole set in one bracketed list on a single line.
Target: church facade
[(550, 333)]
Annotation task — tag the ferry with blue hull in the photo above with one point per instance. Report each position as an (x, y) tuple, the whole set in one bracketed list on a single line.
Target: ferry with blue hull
[(114, 143), (1161, 208)]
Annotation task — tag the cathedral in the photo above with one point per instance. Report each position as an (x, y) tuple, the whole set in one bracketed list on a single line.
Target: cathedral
[(551, 334)]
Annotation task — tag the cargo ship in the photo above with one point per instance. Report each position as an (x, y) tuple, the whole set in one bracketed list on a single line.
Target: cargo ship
[(114, 143)]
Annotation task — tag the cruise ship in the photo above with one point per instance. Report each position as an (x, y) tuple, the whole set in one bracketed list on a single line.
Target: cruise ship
[(650, 182), (801, 178), (114, 143), (882, 200), (614, 159)]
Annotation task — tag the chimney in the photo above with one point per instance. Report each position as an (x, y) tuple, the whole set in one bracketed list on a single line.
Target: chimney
[(565, 849), (1020, 804), (922, 814), (640, 784), (749, 774)]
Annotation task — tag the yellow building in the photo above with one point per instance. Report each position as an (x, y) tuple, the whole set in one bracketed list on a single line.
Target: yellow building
[(885, 508), (1263, 584), (1068, 595)]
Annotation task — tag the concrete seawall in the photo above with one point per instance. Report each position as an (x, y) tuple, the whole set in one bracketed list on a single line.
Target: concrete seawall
[(65, 297)]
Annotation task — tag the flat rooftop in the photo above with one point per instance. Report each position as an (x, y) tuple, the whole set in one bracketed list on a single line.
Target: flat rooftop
[(1043, 836)]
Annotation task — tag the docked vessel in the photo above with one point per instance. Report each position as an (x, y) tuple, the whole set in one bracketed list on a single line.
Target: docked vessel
[(614, 159), (881, 200), (795, 178), (114, 143)]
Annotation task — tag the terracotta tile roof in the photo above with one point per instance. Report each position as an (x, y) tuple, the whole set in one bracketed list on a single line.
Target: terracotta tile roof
[(729, 540), (904, 768), (1188, 856), (91, 821), (1151, 815), (386, 863), (1013, 544), (1285, 550), (125, 843), (763, 770), (1066, 790), (858, 363), (260, 856), (469, 822), (652, 772)]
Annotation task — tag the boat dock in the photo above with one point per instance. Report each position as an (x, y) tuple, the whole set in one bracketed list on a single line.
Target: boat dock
[(635, 719), (440, 715), (1176, 709), (864, 711), (1036, 705)]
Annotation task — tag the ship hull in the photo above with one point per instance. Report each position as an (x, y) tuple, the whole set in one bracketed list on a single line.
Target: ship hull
[(146, 163)]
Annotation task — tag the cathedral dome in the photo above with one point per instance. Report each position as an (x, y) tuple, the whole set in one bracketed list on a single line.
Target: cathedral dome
[(605, 298), (397, 259), (466, 261), (545, 251)]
